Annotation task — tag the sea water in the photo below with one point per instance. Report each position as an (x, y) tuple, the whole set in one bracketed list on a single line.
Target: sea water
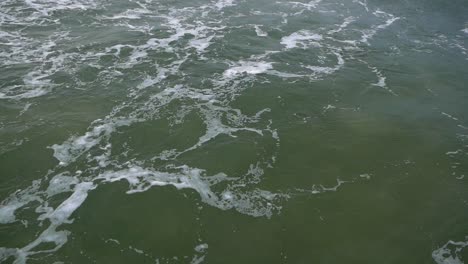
[(233, 131)]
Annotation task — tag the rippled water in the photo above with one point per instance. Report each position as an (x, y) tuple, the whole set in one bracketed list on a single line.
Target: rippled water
[(233, 131)]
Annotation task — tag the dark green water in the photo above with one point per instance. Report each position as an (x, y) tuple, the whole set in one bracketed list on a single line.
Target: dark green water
[(233, 131)]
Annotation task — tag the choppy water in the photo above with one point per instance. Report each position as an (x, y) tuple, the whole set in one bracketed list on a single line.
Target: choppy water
[(233, 131)]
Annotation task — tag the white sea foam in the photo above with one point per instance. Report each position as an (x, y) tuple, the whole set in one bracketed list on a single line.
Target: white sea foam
[(197, 259), (285, 74), (366, 176), (46, 7), (362, 3), (57, 217), (308, 6), (61, 183), (458, 151), (345, 23), (43, 58), (75, 146), (450, 116), (381, 80), (303, 38), (449, 253), (248, 67), (7, 212), (334, 188), (201, 248), (25, 108), (63, 212), (260, 32), (388, 22), (149, 81), (25, 94), (370, 33), (201, 44), (319, 71), (317, 189), (255, 203), (17, 200), (328, 108), (220, 4), (216, 127), (136, 13)]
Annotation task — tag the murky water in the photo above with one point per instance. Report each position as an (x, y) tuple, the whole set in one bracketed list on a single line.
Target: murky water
[(233, 131)]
